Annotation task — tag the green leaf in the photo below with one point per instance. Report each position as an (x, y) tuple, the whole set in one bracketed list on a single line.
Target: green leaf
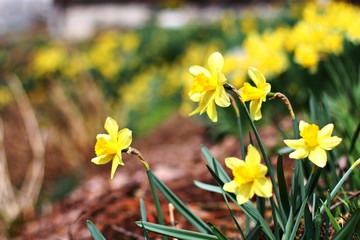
[(95, 233), (233, 216), (332, 219), (254, 234), (217, 232), (284, 196), (174, 232), (354, 138), (143, 217), (143, 210), (215, 165), (350, 227), (309, 225), (208, 187), (181, 207)]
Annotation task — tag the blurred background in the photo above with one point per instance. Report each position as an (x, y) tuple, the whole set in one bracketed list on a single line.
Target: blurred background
[(67, 65)]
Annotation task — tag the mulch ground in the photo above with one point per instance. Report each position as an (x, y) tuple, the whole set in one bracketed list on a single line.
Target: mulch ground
[(173, 152)]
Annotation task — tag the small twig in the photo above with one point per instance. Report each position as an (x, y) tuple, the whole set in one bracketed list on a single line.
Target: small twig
[(172, 217), (355, 194), (126, 232)]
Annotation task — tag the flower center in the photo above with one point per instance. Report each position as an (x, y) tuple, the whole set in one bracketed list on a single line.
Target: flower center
[(242, 175), (310, 134), (249, 93), (104, 146), (201, 84)]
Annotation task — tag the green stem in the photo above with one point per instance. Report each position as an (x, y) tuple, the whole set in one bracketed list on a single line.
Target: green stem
[(238, 120), (156, 198)]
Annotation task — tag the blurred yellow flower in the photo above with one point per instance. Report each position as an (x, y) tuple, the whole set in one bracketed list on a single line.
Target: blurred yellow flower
[(307, 56), (249, 177), (314, 143), (109, 146), (208, 87), (257, 94), (48, 60)]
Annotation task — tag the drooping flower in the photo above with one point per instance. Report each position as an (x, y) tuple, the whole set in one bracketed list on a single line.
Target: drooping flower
[(314, 143), (109, 146), (249, 177), (208, 87), (256, 94)]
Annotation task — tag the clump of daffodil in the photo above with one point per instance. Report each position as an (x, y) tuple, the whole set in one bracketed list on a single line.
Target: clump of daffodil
[(249, 177), (313, 143), (256, 95), (208, 87), (109, 146)]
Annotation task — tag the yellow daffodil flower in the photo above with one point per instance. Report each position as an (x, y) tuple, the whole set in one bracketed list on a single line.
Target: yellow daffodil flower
[(249, 177), (109, 146), (314, 143), (208, 87), (256, 94)]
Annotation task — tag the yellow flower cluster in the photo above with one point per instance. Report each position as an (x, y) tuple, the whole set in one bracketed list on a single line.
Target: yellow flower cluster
[(322, 31)]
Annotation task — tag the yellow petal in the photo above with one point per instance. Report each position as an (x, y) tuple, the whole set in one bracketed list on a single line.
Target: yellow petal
[(256, 76), (195, 97), (262, 187), (103, 147), (299, 153), (330, 142), (102, 159), (124, 138), (111, 127), (197, 70), (318, 157), (295, 143), (230, 187), (326, 131), (253, 156), (211, 111), (222, 99), (244, 193), (302, 125), (233, 162), (216, 63), (115, 163), (105, 136), (255, 109)]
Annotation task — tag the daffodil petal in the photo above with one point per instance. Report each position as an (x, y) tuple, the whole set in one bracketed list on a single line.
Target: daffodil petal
[(197, 70), (216, 63), (244, 192), (256, 76), (255, 110), (330, 142), (262, 187), (124, 138), (114, 166), (222, 99), (105, 136), (195, 97), (318, 157), (253, 156), (102, 159), (326, 131), (302, 125), (233, 162), (267, 89), (111, 127), (230, 186), (295, 143), (211, 111), (205, 101), (299, 153)]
